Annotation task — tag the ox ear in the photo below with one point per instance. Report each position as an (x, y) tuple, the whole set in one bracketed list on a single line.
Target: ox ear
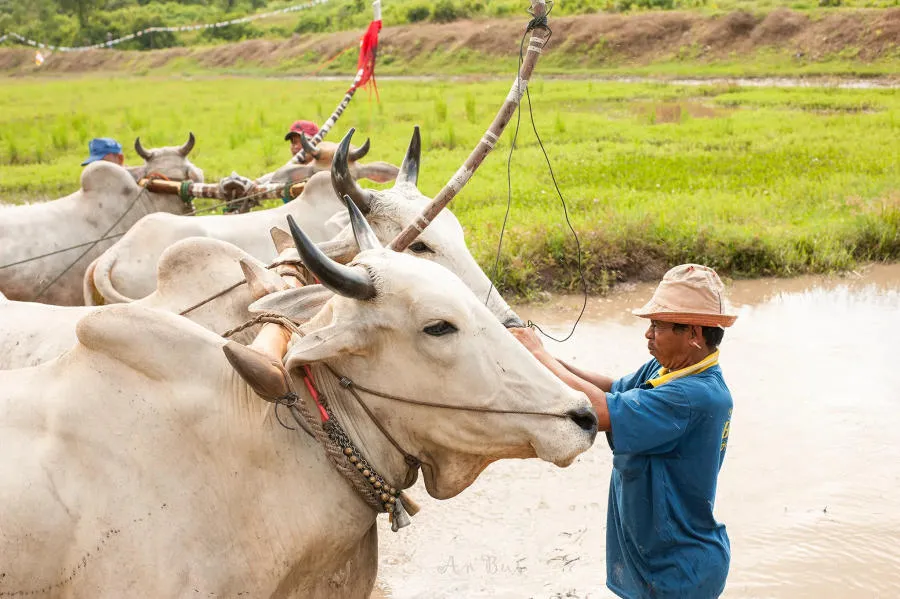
[(299, 304), (282, 239), (380, 172), (265, 375), (260, 280), (324, 344), (293, 173)]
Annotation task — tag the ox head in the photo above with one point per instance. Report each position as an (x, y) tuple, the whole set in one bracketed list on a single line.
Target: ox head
[(391, 210), (410, 327), (170, 161), (321, 157)]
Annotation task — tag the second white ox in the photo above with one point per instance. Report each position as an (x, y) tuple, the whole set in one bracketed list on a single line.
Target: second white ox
[(108, 203), (191, 271), (125, 270), (169, 476)]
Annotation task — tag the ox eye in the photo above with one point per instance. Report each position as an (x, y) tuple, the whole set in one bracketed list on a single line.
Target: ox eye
[(420, 248), (440, 328)]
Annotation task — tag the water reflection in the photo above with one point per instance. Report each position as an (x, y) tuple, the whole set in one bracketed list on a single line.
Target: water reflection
[(810, 490)]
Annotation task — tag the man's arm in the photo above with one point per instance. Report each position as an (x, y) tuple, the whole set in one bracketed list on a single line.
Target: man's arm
[(595, 394), (595, 378)]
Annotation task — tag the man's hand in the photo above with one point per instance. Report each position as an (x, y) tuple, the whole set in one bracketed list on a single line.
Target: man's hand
[(529, 338), (234, 188)]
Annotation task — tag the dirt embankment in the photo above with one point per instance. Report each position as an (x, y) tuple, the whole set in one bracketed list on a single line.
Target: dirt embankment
[(598, 39)]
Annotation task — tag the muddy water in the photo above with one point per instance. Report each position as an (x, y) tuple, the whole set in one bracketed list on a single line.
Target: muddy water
[(810, 489)]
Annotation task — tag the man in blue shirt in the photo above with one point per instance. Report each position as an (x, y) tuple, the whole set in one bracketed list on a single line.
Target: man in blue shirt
[(667, 424)]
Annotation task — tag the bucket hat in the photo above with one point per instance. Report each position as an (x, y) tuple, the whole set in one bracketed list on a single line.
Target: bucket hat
[(690, 294), (100, 147)]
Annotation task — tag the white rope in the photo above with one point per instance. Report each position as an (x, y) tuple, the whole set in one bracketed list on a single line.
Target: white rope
[(110, 43)]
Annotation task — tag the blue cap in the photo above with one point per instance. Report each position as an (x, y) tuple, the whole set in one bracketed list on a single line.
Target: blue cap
[(100, 147)]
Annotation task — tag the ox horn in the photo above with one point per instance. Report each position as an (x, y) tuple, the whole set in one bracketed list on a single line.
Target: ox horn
[(343, 280), (140, 149), (365, 236), (359, 152), (409, 170), (343, 182), (188, 145), (308, 147)]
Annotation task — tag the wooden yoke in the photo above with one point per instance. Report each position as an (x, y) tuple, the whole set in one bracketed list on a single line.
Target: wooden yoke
[(211, 190)]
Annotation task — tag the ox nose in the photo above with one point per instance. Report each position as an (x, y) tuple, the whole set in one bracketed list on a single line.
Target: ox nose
[(585, 418)]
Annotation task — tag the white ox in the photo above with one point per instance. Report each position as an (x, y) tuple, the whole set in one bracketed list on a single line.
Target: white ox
[(140, 463), (190, 272), (108, 203), (127, 271), (124, 271)]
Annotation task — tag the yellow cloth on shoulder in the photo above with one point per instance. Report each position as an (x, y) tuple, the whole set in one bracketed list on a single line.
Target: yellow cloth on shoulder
[(664, 375)]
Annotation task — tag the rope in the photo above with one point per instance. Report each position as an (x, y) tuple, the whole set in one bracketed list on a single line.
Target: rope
[(305, 420), (289, 262), (211, 298), (107, 238), (272, 317), (44, 289), (535, 23), (349, 384)]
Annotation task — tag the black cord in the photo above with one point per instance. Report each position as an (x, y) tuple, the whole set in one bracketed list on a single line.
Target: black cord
[(538, 22)]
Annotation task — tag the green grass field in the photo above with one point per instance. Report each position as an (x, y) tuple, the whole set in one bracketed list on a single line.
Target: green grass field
[(751, 181)]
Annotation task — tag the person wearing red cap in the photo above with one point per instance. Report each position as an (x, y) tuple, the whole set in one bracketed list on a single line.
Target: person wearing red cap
[(308, 128), (667, 425)]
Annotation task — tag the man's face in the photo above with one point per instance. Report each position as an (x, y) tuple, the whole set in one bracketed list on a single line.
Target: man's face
[(295, 144), (671, 348), (115, 158)]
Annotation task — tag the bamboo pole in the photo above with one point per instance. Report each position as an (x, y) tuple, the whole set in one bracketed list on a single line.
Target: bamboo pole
[(535, 46)]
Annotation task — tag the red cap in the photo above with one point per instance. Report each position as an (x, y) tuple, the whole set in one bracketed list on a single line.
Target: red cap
[(307, 127)]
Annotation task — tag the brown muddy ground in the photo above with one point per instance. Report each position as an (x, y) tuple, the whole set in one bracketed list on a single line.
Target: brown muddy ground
[(590, 40)]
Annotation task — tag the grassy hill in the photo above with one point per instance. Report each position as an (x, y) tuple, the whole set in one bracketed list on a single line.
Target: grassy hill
[(48, 20)]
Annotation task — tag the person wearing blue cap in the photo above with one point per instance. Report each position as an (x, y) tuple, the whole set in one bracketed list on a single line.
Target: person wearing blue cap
[(105, 148)]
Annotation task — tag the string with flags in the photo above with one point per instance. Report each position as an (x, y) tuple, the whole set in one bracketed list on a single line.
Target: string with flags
[(108, 44)]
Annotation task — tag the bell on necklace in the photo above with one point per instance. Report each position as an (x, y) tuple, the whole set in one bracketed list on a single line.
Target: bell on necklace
[(400, 519)]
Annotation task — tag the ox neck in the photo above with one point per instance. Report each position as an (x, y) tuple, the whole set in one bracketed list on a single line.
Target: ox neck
[(361, 430)]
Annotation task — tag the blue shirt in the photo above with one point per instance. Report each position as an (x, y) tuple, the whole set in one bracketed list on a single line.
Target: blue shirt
[(668, 442)]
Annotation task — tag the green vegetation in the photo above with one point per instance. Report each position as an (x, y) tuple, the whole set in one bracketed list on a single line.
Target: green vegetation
[(81, 22), (751, 181)]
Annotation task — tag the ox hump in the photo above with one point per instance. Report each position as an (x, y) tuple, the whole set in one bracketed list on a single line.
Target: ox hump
[(159, 344), (107, 178), (200, 258)]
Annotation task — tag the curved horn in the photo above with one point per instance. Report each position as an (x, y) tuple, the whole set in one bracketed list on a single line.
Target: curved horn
[(140, 149), (343, 182), (365, 236), (409, 170), (359, 152), (188, 146), (308, 147), (343, 280)]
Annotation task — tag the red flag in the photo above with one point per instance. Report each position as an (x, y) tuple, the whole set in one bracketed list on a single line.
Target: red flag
[(368, 47)]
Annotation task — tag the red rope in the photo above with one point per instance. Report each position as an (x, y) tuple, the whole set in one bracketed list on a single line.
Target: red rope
[(307, 378)]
